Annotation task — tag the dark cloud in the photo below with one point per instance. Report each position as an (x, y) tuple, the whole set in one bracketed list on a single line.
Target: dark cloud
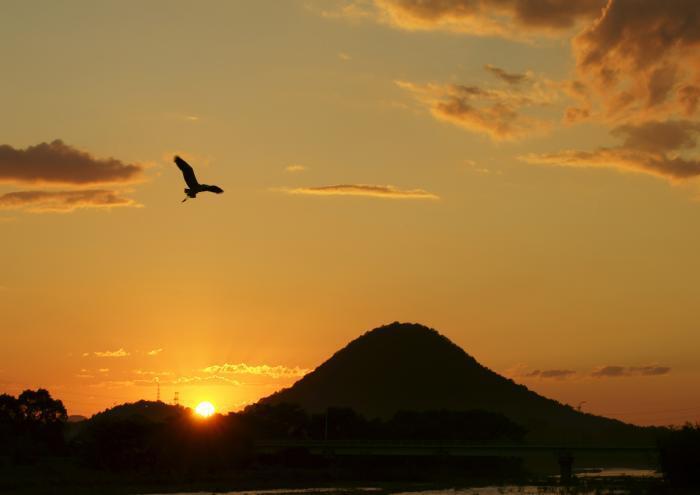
[(660, 137), (58, 163), (641, 58), (649, 148), (508, 77), (622, 371), (62, 201), (509, 18), (555, 373), (364, 190), (610, 371), (649, 370)]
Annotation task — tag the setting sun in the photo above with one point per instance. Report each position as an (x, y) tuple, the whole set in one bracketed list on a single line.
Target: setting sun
[(204, 409)]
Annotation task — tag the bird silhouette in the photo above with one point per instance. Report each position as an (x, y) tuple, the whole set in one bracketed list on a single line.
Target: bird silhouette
[(191, 180)]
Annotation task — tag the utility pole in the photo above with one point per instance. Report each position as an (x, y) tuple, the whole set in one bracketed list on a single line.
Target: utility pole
[(157, 389), (176, 399)]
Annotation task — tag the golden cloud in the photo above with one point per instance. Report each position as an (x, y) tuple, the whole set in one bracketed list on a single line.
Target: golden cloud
[(112, 354), (375, 191), (277, 371), (63, 201), (506, 18), (649, 148), (497, 112), (295, 167)]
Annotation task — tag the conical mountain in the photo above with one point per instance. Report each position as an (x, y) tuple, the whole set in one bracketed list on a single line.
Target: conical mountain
[(411, 367)]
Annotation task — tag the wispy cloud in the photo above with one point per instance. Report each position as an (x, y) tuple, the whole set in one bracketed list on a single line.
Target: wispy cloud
[(152, 373), (624, 371), (508, 77), (277, 371), (205, 380), (295, 168), (559, 374), (63, 201), (609, 371), (155, 352), (111, 354), (499, 112), (376, 191)]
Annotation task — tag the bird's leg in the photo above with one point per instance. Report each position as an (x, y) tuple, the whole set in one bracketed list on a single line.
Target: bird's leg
[(184, 200)]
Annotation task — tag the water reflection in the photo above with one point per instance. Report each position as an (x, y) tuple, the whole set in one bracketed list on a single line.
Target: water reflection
[(484, 490)]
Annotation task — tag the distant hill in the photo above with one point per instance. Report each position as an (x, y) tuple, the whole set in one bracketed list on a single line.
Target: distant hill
[(411, 367), (143, 410)]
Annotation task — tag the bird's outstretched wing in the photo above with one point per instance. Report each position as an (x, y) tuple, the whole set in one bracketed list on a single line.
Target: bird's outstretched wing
[(214, 189), (187, 172)]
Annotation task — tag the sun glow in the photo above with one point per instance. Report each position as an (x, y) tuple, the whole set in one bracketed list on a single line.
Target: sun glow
[(204, 409)]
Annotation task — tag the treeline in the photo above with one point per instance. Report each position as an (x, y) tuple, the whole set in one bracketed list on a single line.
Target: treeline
[(286, 421), (679, 455), (31, 424), (153, 437)]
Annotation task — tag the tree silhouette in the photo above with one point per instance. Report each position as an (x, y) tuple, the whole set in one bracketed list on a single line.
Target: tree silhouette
[(37, 407)]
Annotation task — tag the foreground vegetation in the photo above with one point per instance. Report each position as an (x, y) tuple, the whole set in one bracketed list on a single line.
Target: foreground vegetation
[(152, 446)]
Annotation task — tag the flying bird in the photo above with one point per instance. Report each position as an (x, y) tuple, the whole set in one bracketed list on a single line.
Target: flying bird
[(191, 180)]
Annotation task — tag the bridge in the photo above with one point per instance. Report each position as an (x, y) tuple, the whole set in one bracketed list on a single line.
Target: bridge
[(562, 455), (411, 448)]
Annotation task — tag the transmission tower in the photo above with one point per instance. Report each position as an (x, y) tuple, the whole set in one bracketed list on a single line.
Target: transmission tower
[(176, 399), (157, 390)]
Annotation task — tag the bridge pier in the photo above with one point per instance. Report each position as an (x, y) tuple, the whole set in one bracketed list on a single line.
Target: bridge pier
[(566, 466)]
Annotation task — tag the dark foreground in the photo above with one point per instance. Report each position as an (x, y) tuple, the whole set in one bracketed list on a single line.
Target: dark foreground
[(64, 475), (151, 447)]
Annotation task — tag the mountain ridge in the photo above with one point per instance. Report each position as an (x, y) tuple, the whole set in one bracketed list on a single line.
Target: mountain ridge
[(408, 366)]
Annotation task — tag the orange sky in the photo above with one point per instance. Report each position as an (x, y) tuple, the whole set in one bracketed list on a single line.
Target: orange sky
[(522, 179)]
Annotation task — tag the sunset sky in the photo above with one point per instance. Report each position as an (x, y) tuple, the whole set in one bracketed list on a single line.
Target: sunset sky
[(522, 177)]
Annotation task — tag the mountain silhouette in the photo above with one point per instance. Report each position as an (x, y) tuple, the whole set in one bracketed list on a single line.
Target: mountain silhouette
[(409, 367)]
